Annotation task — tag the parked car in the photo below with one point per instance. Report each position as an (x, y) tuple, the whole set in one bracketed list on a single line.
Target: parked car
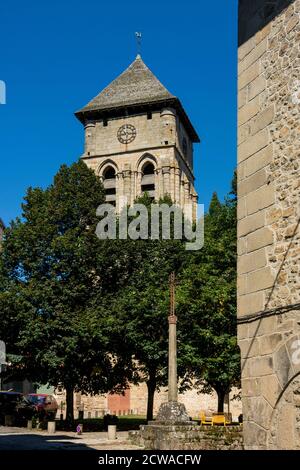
[(45, 405), (16, 406)]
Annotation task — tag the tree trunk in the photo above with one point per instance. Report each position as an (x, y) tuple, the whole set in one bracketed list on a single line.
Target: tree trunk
[(221, 398), (70, 404), (151, 385)]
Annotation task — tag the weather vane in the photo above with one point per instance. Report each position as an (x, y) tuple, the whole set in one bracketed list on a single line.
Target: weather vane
[(138, 42)]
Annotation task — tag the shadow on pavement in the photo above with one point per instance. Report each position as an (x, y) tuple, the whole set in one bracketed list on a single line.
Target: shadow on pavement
[(26, 441)]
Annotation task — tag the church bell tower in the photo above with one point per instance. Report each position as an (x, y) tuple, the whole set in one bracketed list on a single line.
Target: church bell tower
[(138, 138)]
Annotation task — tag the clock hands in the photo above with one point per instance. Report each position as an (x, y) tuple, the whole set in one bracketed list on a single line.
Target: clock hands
[(126, 133)]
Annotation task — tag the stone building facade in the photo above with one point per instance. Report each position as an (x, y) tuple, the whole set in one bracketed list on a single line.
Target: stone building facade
[(135, 402), (138, 138), (268, 221)]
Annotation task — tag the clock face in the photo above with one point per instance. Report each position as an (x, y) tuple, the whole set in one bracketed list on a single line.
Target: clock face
[(126, 133)]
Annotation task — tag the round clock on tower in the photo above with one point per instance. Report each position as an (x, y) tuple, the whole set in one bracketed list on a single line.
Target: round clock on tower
[(126, 134)]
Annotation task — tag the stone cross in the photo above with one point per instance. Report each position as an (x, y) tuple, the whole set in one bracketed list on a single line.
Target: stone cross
[(172, 375), (172, 412)]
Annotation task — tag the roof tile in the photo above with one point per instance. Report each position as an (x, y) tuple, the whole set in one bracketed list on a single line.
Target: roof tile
[(137, 84)]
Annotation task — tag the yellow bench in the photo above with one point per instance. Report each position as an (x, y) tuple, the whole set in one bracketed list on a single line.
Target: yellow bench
[(213, 418), (204, 418), (221, 418), (218, 418)]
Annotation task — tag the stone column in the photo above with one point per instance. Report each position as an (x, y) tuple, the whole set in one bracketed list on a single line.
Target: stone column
[(127, 182), (90, 148), (51, 427), (168, 126), (138, 184), (172, 376), (119, 191), (166, 179), (161, 182), (172, 411), (132, 188), (172, 372), (156, 183), (134, 177), (187, 193), (172, 183), (182, 193), (177, 186), (112, 432), (195, 203)]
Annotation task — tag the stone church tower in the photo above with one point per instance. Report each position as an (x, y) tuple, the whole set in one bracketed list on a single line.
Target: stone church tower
[(138, 138), (268, 221)]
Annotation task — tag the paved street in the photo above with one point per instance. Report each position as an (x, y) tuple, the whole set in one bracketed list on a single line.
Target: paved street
[(21, 439)]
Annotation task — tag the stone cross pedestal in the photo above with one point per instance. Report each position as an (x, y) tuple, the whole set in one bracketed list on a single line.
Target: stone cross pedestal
[(172, 412)]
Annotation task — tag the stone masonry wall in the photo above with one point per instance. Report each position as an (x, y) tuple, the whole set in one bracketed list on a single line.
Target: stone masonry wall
[(176, 437), (136, 402), (268, 231), (158, 140)]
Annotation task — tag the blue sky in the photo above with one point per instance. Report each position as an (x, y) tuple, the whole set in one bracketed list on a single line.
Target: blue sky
[(57, 55)]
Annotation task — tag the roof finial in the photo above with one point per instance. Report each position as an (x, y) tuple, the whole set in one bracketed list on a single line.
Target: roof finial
[(138, 37)]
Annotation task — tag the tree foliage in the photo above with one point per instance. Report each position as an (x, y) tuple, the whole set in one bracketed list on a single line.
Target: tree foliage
[(54, 269), (142, 305), (207, 303), (92, 314)]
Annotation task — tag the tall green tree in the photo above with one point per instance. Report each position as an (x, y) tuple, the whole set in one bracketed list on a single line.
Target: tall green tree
[(55, 267), (143, 304), (92, 314), (207, 303)]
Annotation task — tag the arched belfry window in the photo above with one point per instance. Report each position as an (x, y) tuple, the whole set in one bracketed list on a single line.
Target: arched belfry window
[(109, 183), (148, 179)]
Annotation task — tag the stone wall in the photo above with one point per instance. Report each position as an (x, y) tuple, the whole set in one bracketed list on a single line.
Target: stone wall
[(268, 230), (159, 140), (193, 401), (163, 129), (135, 402), (176, 437), (255, 14)]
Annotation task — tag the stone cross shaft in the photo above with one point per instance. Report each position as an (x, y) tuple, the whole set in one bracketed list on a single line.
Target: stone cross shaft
[(172, 372)]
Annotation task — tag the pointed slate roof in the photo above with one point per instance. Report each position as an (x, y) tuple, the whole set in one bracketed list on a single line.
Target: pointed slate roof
[(137, 86)]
